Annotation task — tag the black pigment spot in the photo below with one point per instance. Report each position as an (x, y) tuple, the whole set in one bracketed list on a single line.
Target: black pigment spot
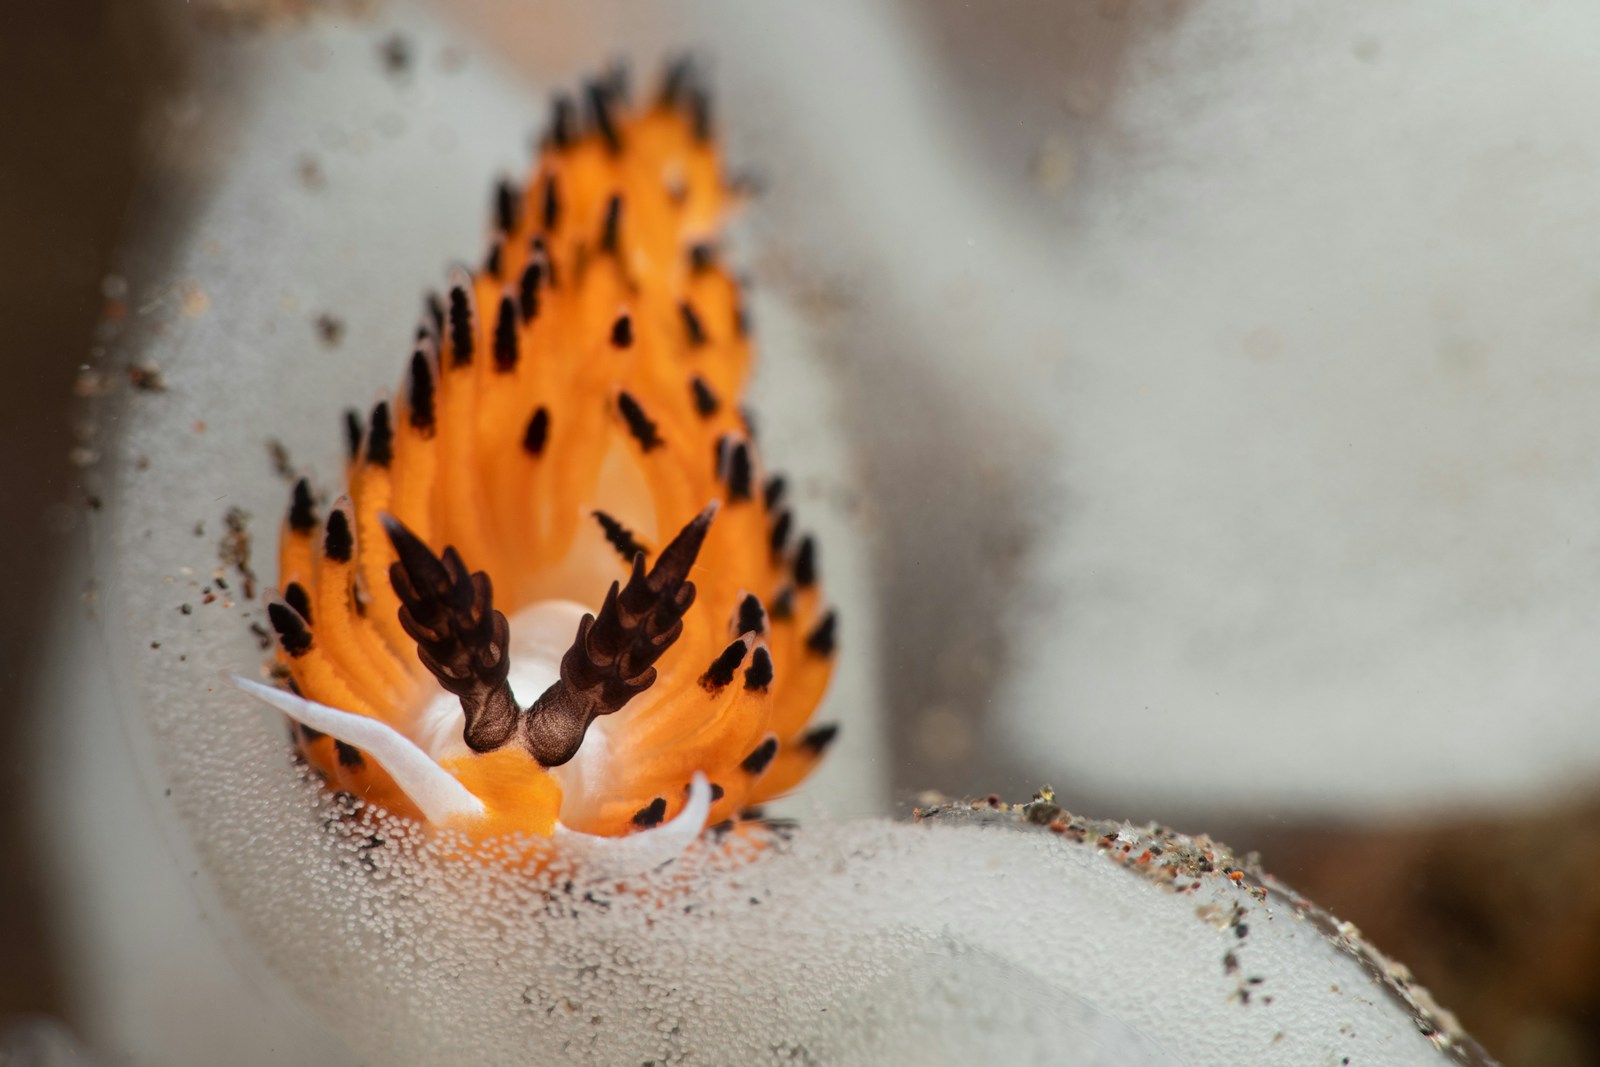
[(652, 813), (538, 431), (338, 544), (720, 673), (620, 537), (759, 674), (758, 760)]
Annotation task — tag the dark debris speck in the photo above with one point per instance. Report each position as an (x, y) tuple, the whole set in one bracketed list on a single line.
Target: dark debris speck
[(395, 54), (146, 377), (330, 329)]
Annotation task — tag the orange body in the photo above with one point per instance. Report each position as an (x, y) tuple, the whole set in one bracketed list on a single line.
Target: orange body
[(571, 403)]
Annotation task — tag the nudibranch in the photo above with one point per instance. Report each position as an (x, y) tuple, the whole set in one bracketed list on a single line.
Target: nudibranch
[(561, 593)]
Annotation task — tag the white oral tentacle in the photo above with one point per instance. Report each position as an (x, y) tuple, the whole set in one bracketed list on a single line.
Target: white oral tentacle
[(639, 853), (437, 794)]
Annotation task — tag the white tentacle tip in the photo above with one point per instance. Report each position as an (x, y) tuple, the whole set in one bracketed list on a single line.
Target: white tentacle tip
[(436, 792), (644, 851)]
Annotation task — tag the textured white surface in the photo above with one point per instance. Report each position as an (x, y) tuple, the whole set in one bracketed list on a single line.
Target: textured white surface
[(861, 943), (157, 975)]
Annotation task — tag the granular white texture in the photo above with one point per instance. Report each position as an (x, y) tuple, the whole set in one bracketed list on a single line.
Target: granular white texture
[(968, 936)]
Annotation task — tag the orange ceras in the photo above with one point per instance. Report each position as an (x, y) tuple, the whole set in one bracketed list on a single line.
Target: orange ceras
[(560, 585)]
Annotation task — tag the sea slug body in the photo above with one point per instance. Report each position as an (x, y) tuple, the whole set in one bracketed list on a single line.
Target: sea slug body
[(561, 593)]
